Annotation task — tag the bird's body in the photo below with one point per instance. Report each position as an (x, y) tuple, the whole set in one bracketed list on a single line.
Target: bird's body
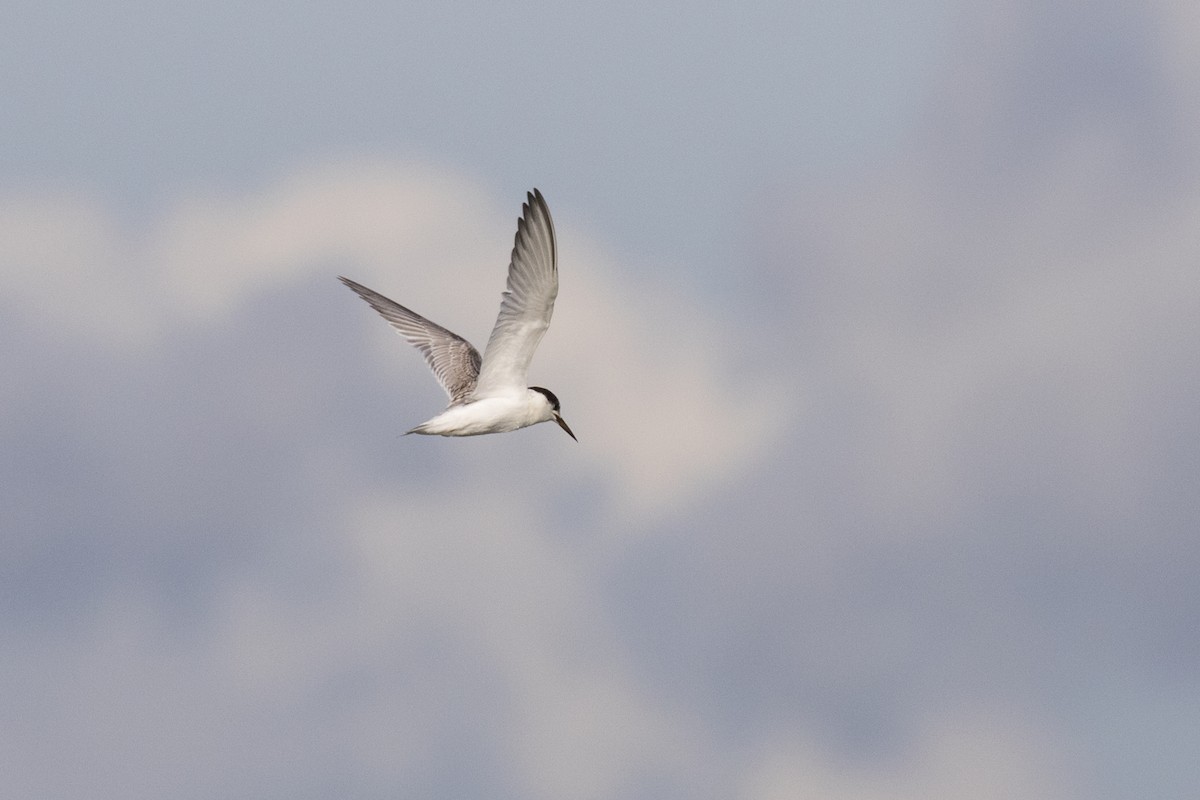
[(488, 394), (499, 414)]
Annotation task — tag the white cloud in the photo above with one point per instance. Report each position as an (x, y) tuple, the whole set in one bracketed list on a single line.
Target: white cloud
[(64, 264), (424, 224), (645, 371), (660, 384), (579, 724)]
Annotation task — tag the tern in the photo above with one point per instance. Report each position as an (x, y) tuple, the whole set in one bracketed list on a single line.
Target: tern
[(489, 394)]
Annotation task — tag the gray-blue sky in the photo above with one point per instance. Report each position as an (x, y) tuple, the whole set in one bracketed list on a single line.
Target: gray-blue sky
[(945, 546), (649, 116)]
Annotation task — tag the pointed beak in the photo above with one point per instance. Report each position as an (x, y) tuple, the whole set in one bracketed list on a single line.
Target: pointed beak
[(562, 424)]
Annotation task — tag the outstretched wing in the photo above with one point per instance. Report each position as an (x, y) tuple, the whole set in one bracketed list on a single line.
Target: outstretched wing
[(452, 358), (527, 304)]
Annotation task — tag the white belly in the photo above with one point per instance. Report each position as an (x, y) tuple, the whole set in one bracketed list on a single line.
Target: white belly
[(490, 415)]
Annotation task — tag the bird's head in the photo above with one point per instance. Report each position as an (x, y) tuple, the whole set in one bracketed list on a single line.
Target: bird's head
[(552, 408)]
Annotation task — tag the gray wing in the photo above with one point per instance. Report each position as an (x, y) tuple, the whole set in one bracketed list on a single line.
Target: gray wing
[(452, 358), (528, 302)]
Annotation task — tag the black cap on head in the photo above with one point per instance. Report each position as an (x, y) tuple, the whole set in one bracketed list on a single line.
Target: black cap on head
[(549, 396)]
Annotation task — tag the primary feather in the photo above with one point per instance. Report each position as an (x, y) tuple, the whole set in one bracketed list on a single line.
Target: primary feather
[(527, 304), (453, 360)]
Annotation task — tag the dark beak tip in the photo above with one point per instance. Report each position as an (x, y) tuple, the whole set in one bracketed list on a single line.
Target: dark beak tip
[(562, 424)]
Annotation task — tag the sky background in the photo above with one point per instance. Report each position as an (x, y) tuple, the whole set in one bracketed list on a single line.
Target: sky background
[(878, 326)]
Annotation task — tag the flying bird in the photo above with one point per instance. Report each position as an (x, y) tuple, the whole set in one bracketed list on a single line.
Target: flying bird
[(489, 394)]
